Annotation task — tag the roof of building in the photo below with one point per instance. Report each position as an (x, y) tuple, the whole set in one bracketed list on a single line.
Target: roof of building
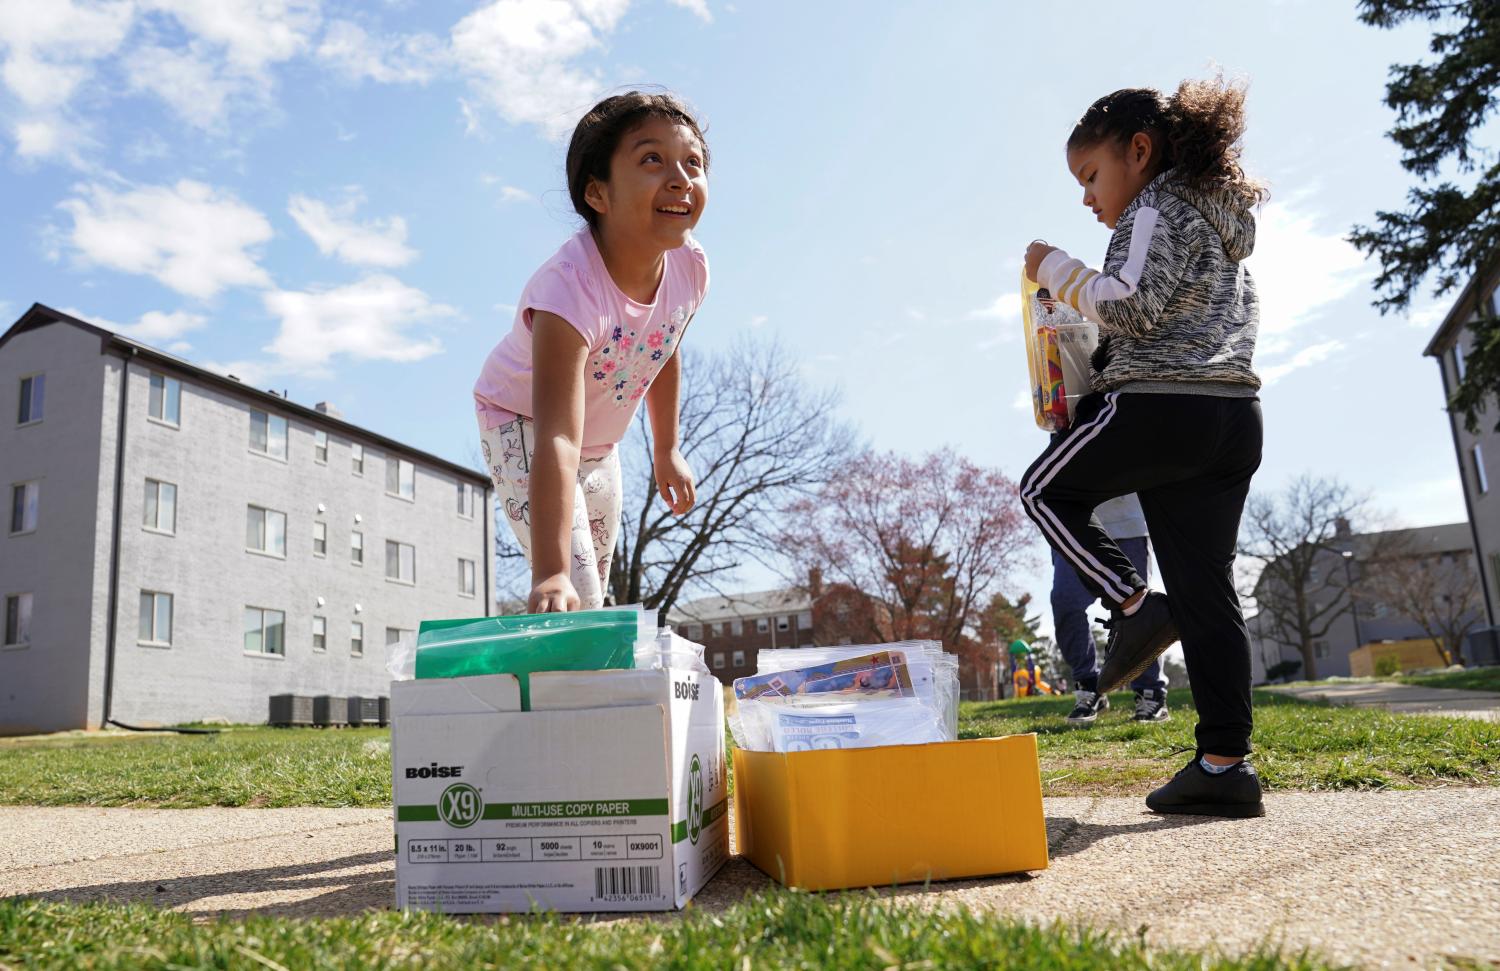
[(1461, 313), (41, 315), (763, 603), (1417, 541)]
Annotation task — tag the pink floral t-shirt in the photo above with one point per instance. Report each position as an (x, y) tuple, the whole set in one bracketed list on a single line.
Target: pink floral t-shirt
[(628, 341)]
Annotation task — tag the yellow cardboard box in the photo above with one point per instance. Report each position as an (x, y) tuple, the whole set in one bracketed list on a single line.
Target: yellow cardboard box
[(874, 817)]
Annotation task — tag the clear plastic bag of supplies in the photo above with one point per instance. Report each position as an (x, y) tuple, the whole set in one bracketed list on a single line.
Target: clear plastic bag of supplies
[(584, 640), (852, 724), (1059, 343), (668, 650), (934, 672)]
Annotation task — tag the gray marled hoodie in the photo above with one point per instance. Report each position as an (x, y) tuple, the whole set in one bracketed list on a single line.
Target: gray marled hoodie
[(1176, 309)]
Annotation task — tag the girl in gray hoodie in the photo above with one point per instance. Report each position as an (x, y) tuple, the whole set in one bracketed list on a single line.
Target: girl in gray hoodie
[(1174, 415)]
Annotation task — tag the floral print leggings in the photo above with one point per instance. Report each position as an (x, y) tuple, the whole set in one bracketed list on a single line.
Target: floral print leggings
[(596, 503)]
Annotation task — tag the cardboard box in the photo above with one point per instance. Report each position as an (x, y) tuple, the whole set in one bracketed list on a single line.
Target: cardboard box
[(875, 817), (609, 795)]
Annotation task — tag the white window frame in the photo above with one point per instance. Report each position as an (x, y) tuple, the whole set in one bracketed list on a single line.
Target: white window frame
[(805, 620), (695, 632), (783, 624), (1480, 478), (171, 388), (33, 402), (718, 660), (738, 660), (468, 501), (360, 534), (157, 527), (33, 489), (762, 625), (319, 621), (155, 639), (320, 446), (319, 525), (265, 531), (467, 585), (405, 581), (737, 627), (270, 420), (25, 610), (398, 631), (401, 465), (356, 638), (1458, 358), (264, 629), (1322, 650), (357, 459)]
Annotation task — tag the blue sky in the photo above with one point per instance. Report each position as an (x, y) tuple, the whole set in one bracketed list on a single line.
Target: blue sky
[(343, 199)]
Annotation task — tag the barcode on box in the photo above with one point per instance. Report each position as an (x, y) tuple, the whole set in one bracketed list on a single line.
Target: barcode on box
[(613, 882)]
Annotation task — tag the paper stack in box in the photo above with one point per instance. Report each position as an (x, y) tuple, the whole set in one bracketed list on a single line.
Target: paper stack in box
[(569, 762)]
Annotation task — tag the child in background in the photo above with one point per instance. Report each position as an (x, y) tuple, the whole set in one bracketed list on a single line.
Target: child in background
[(1175, 415), (597, 330)]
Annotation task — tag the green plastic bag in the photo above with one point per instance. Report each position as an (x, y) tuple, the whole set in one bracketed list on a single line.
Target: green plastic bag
[(584, 640)]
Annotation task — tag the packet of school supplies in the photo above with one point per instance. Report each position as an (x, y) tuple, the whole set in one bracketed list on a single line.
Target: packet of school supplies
[(1059, 343), (854, 724), (838, 674), (933, 671)]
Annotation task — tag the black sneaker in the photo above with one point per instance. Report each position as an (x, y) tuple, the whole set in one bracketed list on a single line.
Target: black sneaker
[(1136, 641), (1151, 706), (1090, 704), (1197, 792)]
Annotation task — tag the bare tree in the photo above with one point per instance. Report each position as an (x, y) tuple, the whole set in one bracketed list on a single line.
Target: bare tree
[(757, 438), (1439, 592), (1295, 537)]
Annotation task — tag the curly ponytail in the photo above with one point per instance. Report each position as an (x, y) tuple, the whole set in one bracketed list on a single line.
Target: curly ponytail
[(1196, 131)]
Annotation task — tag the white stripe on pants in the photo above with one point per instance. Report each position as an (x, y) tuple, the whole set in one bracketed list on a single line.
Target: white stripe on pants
[(596, 504)]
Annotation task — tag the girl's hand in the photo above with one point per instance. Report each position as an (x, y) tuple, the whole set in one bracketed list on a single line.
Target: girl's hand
[(674, 480), (1035, 253), (553, 595)]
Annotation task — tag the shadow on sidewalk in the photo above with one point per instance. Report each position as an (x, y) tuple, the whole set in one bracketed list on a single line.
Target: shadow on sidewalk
[(346, 892), (1067, 835)]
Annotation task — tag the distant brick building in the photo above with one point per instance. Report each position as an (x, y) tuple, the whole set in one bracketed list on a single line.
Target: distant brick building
[(733, 628)]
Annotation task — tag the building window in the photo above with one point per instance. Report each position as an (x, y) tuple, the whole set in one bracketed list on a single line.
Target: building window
[(804, 620), (161, 506), (320, 633), (737, 627), (1458, 360), (23, 499), (400, 562), (1480, 479), (1495, 571), (1321, 649), (320, 539), (357, 547), (265, 631), (718, 660), (33, 396), (356, 638), (166, 400), (400, 478), (357, 458), (783, 623), (466, 577), (762, 625), (739, 659), (695, 632), (393, 636), (156, 618), (320, 447), (265, 531), (18, 620), (268, 435), (466, 500), (713, 630)]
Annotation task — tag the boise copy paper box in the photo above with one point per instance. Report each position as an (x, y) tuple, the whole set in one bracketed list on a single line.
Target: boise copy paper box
[(609, 795), (874, 817)]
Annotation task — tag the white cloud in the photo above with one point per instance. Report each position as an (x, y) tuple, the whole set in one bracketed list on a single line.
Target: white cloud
[(1299, 269), (1428, 502), (699, 9), (191, 237), (1428, 318), (49, 45), (758, 321), (1005, 307), (1310, 355), (153, 327), (411, 58), (509, 193), (194, 84), (251, 33), (379, 242), (1022, 401), (367, 320)]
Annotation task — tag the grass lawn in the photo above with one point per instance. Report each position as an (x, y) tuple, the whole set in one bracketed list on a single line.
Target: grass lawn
[(1298, 746), (774, 929), (1474, 679)]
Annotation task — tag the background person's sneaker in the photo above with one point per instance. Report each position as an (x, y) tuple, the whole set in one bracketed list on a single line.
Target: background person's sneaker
[(1151, 706), (1136, 641), (1197, 792), (1090, 704)]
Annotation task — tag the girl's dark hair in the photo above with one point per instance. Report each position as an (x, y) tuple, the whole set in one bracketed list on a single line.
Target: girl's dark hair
[(599, 132), (1196, 131)]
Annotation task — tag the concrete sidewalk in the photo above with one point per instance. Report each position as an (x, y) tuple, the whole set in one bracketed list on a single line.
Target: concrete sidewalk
[(1408, 699), (1380, 879)]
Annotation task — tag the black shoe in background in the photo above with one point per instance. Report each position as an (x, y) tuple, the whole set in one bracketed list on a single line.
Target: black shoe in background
[(1136, 641), (1197, 792), (1090, 704), (1151, 706)]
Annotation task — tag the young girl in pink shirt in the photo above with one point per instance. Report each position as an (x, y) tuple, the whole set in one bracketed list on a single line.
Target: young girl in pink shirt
[(596, 331)]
